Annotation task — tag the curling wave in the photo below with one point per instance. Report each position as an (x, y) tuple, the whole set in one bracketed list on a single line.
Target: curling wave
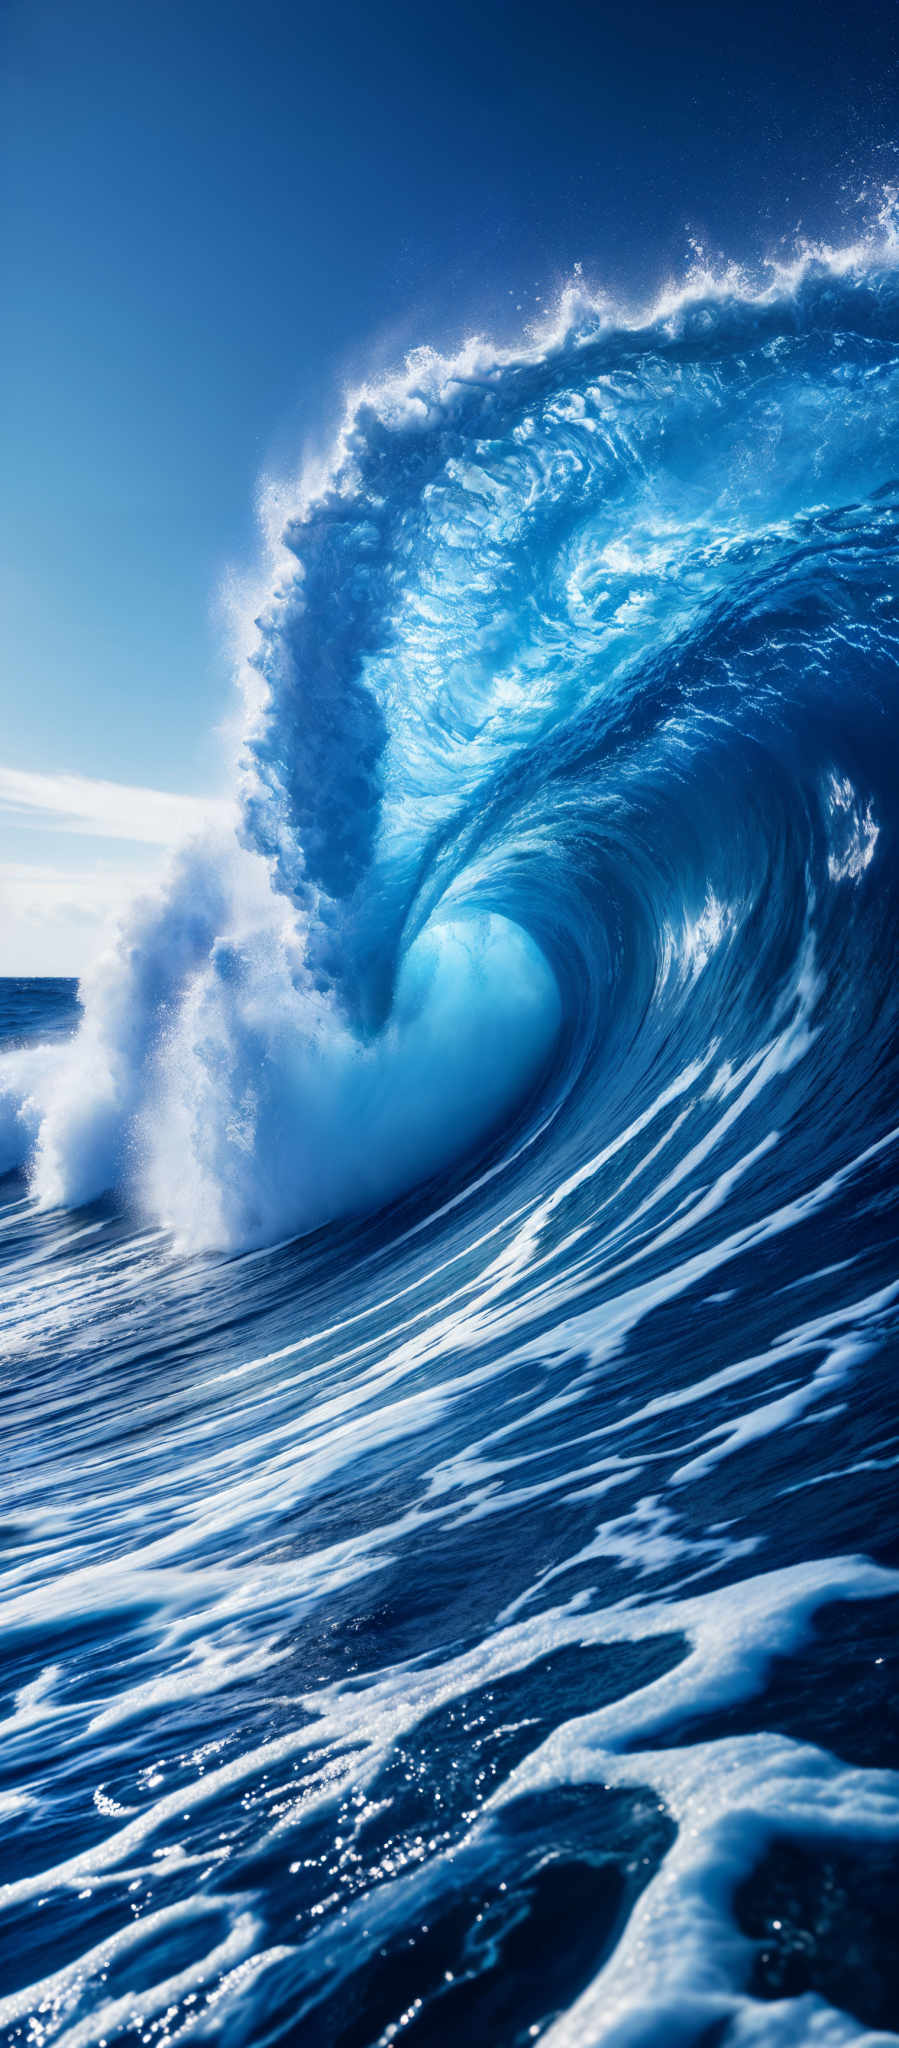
[(555, 944), (554, 670)]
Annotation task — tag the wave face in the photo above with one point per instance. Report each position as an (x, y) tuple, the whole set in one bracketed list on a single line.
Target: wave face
[(449, 1574)]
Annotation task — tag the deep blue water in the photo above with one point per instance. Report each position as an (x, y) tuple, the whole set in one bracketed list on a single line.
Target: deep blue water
[(450, 1557), (37, 1007)]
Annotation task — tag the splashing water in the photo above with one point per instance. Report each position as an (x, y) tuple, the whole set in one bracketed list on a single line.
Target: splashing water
[(449, 1569)]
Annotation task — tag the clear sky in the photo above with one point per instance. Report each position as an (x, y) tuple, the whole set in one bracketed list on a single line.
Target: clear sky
[(213, 217)]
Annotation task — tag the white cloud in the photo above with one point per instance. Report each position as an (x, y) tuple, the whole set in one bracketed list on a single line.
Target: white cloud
[(52, 919), (35, 889), (107, 810), (54, 913)]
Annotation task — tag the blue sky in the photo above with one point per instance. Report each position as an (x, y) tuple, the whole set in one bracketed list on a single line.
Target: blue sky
[(214, 217)]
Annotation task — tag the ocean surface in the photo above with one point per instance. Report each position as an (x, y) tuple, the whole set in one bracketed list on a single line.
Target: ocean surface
[(448, 1249)]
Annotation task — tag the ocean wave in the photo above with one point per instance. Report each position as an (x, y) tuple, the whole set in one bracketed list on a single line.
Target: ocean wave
[(468, 1608), (560, 648)]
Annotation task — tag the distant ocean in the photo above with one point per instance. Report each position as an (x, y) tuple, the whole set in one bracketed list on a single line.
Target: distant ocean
[(448, 1263)]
